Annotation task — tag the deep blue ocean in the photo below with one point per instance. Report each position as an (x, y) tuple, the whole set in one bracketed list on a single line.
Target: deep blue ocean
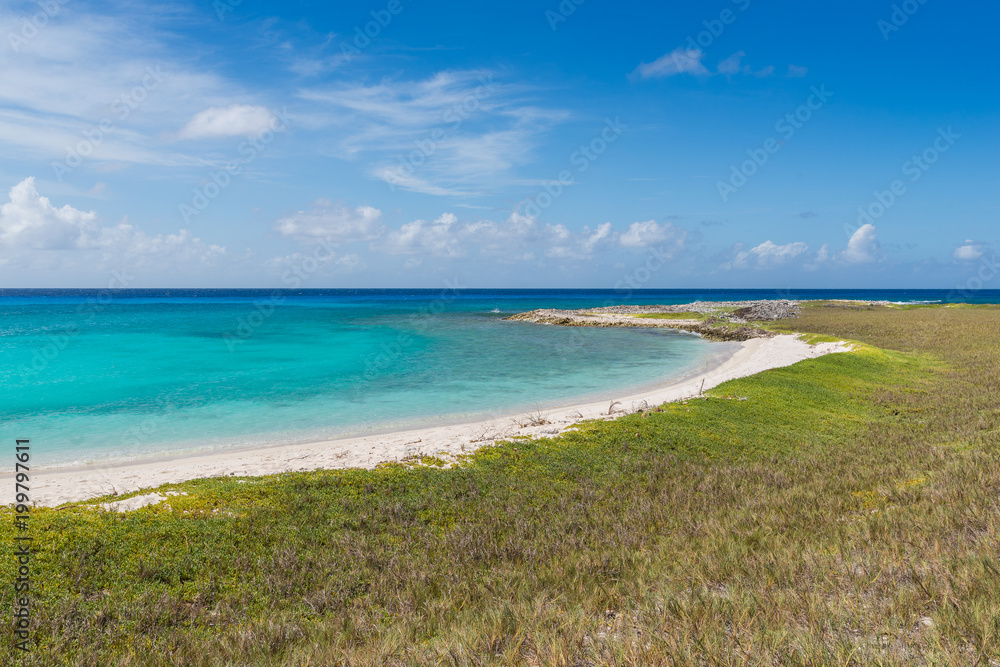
[(110, 375)]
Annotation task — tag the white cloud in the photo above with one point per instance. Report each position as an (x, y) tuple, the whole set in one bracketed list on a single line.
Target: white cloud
[(303, 265), (34, 233), (767, 255), (517, 238), (594, 239), (688, 61), (567, 245), (234, 120), (455, 133), (679, 61), (30, 221), (332, 222), (645, 234), (731, 65), (83, 70), (968, 252), (402, 177), (441, 238), (796, 72), (862, 248)]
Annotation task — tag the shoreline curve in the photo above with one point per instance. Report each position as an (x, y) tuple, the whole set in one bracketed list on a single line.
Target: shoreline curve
[(58, 486)]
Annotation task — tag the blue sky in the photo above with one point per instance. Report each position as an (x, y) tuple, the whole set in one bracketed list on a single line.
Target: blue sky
[(410, 143)]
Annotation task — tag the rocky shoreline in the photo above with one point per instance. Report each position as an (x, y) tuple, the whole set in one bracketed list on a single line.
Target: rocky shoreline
[(715, 320)]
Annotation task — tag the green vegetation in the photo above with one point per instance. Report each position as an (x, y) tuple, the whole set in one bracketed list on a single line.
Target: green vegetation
[(815, 339), (840, 511)]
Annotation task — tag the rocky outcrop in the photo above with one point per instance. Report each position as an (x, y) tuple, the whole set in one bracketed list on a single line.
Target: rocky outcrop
[(722, 324)]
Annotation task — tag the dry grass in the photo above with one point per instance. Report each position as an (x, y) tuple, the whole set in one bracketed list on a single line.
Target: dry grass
[(843, 511)]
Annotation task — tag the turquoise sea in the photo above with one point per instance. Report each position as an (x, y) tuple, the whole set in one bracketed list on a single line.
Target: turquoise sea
[(101, 375)]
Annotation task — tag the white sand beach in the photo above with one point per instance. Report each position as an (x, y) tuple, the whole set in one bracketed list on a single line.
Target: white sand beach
[(63, 485)]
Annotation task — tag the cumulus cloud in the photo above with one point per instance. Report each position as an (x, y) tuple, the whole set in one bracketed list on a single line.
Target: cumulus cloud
[(767, 255), (29, 220), (234, 120), (519, 238), (448, 237), (679, 61), (645, 234), (564, 244), (968, 252), (34, 232), (441, 238), (862, 248), (332, 222), (592, 239)]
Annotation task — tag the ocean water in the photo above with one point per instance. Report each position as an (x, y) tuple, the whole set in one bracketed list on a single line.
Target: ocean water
[(102, 375)]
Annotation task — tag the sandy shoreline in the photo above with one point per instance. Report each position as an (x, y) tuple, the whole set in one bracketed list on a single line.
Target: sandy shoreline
[(61, 485)]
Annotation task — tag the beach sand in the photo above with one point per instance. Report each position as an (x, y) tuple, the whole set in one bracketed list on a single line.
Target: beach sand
[(63, 485)]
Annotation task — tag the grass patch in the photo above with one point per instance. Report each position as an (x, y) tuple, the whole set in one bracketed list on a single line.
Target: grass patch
[(843, 510), (816, 339)]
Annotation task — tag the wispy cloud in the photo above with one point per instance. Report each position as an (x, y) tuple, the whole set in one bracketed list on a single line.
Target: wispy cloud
[(115, 84), (681, 60), (687, 60), (457, 132)]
